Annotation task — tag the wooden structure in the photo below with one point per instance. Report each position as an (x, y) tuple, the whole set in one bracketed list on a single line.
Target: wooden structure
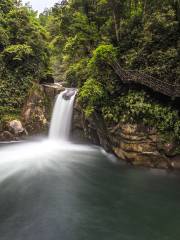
[(161, 86)]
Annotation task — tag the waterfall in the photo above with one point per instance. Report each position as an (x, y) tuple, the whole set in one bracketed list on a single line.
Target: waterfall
[(62, 115)]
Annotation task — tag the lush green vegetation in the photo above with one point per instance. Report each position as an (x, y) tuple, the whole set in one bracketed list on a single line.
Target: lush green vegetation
[(84, 38), (24, 55), (87, 36)]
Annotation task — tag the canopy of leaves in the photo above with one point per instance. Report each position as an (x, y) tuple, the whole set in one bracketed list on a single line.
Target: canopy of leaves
[(24, 54), (87, 36), (84, 38)]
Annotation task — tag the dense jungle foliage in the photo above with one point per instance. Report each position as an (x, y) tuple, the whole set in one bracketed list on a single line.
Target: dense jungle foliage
[(88, 35), (24, 55), (79, 39)]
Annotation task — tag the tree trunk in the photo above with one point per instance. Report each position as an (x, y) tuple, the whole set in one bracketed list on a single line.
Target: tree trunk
[(116, 25)]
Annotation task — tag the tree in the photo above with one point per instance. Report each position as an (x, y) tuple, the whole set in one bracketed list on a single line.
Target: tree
[(24, 54)]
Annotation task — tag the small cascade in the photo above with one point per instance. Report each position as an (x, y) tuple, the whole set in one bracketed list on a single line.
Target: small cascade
[(62, 115)]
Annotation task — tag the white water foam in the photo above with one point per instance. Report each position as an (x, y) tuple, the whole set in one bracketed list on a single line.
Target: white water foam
[(27, 158)]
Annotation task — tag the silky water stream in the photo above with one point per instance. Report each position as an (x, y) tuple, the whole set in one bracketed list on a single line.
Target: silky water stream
[(56, 190)]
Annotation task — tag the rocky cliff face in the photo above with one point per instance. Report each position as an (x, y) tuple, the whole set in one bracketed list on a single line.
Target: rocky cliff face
[(37, 110), (136, 144), (91, 130), (35, 116)]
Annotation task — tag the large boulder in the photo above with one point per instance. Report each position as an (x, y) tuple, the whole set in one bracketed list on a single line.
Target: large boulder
[(16, 127), (13, 131)]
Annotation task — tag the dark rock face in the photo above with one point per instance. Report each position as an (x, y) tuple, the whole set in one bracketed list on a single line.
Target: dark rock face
[(90, 130), (135, 144), (34, 113)]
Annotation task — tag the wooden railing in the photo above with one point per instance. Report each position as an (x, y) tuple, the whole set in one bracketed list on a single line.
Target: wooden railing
[(161, 86)]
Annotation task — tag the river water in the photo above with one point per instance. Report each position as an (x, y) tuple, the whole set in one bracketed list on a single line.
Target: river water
[(57, 190)]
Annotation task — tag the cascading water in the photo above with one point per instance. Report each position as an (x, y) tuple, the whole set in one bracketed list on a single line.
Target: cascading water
[(54, 189), (62, 115)]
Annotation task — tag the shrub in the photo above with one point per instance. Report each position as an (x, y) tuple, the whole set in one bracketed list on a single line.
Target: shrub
[(137, 107), (91, 95), (104, 54)]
